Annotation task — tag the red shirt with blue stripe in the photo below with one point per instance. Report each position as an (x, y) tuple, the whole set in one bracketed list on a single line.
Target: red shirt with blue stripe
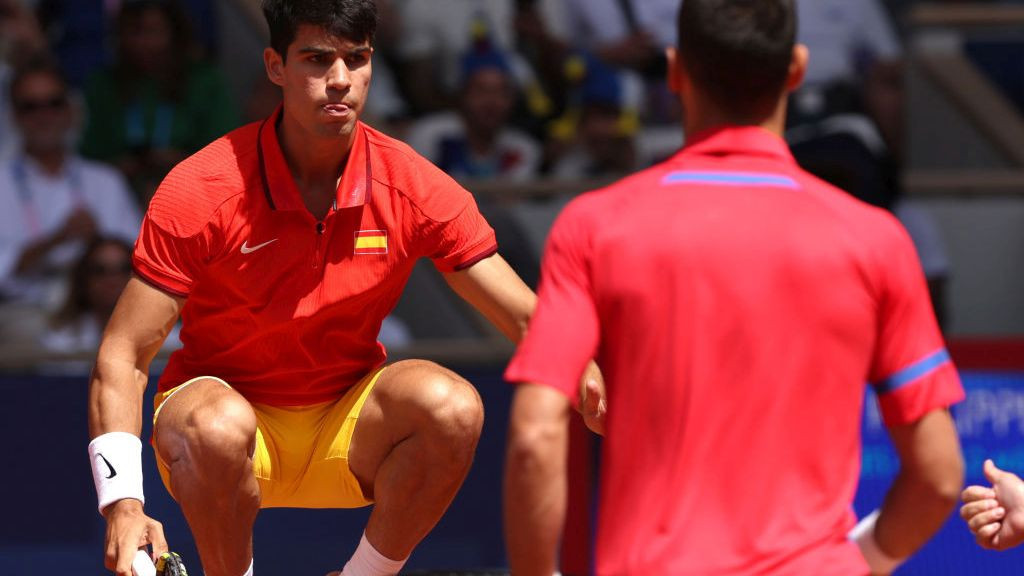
[(737, 306)]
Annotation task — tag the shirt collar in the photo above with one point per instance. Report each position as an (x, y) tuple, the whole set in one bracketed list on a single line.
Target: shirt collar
[(742, 140), (279, 185)]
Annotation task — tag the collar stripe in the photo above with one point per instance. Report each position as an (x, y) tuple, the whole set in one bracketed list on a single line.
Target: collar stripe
[(264, 179), (730, 179)]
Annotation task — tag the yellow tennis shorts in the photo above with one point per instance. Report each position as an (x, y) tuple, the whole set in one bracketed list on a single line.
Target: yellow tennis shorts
[(301, 457)]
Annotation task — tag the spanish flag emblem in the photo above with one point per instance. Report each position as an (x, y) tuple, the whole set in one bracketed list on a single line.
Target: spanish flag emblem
[(371, 242)]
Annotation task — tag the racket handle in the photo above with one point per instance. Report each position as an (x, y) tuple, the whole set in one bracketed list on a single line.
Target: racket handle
[(143, 565)]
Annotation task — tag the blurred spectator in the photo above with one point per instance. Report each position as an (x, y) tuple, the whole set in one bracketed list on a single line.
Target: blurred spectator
[(626, 33), (95, 284), (51, 201), (542, 40), (80, 30), (631, 35), (476, 141), (387, 110), (435, 34), (158, 104), (596, 139), (20, 41), (852, 44)]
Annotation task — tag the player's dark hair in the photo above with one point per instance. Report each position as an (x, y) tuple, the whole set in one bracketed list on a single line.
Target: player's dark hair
[(354, 20), (738, 51)]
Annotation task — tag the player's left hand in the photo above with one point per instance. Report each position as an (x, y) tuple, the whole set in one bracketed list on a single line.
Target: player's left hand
[(592, 405)]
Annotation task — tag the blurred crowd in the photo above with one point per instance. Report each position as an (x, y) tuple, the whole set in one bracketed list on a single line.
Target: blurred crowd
[(99, 99)]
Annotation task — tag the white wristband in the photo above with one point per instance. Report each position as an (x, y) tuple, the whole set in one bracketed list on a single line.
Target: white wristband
[(864, 535), (116, 459)]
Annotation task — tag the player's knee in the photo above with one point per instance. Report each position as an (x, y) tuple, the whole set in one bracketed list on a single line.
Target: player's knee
[(219, 432), (457, 413)]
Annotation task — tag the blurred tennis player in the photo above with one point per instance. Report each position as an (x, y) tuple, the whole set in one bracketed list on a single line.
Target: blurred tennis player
[(282, 246), (737, 306)]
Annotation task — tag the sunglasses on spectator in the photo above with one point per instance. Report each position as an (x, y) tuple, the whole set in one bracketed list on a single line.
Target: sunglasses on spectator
[(49, 104), (109, 270)]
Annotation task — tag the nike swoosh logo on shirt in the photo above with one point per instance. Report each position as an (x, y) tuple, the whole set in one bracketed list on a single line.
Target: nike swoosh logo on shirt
[(246, 249)]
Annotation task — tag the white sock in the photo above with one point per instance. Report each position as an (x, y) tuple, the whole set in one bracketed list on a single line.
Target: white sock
[(249, 571), (368, 562)]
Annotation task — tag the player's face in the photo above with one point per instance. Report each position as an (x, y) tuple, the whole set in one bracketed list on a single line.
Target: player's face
[(324, 80)]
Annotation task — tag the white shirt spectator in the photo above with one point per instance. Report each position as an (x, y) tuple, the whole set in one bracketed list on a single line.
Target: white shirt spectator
[(515, 157), (596, 22), (34, 204), (445, 29), (842, 35)]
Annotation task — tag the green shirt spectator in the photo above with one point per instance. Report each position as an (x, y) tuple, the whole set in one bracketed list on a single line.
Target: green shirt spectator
[(158, 104)]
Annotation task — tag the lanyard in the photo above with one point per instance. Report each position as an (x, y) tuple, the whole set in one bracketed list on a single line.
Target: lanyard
[(19, 170), (135, 127)]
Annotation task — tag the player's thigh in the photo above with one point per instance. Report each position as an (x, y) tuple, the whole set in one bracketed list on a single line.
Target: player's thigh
[(411, 397), (204, 411)]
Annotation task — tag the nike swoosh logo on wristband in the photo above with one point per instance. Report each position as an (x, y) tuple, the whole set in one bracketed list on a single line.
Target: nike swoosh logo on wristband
[(111, 468)]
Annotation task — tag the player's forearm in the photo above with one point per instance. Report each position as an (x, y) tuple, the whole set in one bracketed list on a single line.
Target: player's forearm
[(927, 487), (116, 390), (535, 500), (916, 508), (535, 489), (497, 292)]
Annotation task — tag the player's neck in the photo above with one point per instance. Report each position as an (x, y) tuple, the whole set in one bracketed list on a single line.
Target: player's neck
[(311, 159), (316, 165), (699, 118)]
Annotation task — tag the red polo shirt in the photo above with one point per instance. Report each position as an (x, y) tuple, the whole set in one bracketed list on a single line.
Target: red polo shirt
[(285, 308), (737, 306)]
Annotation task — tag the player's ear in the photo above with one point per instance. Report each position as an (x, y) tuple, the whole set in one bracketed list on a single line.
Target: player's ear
[(675, 73), (797, 67), (274, 63)]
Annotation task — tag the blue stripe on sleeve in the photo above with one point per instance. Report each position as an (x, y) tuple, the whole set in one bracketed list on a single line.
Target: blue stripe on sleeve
[(912, 373), (730, 179)]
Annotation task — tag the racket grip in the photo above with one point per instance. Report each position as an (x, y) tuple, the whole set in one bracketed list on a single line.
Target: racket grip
[(143, 565)]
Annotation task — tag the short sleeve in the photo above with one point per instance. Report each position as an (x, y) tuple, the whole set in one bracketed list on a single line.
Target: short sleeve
[(912, 372), (445, 223), (165, 260), (173, 241), (564, 331), (464, 240)]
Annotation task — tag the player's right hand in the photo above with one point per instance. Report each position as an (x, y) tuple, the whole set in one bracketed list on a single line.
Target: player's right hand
[(128, 530), (995, 515), (593, 405)]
